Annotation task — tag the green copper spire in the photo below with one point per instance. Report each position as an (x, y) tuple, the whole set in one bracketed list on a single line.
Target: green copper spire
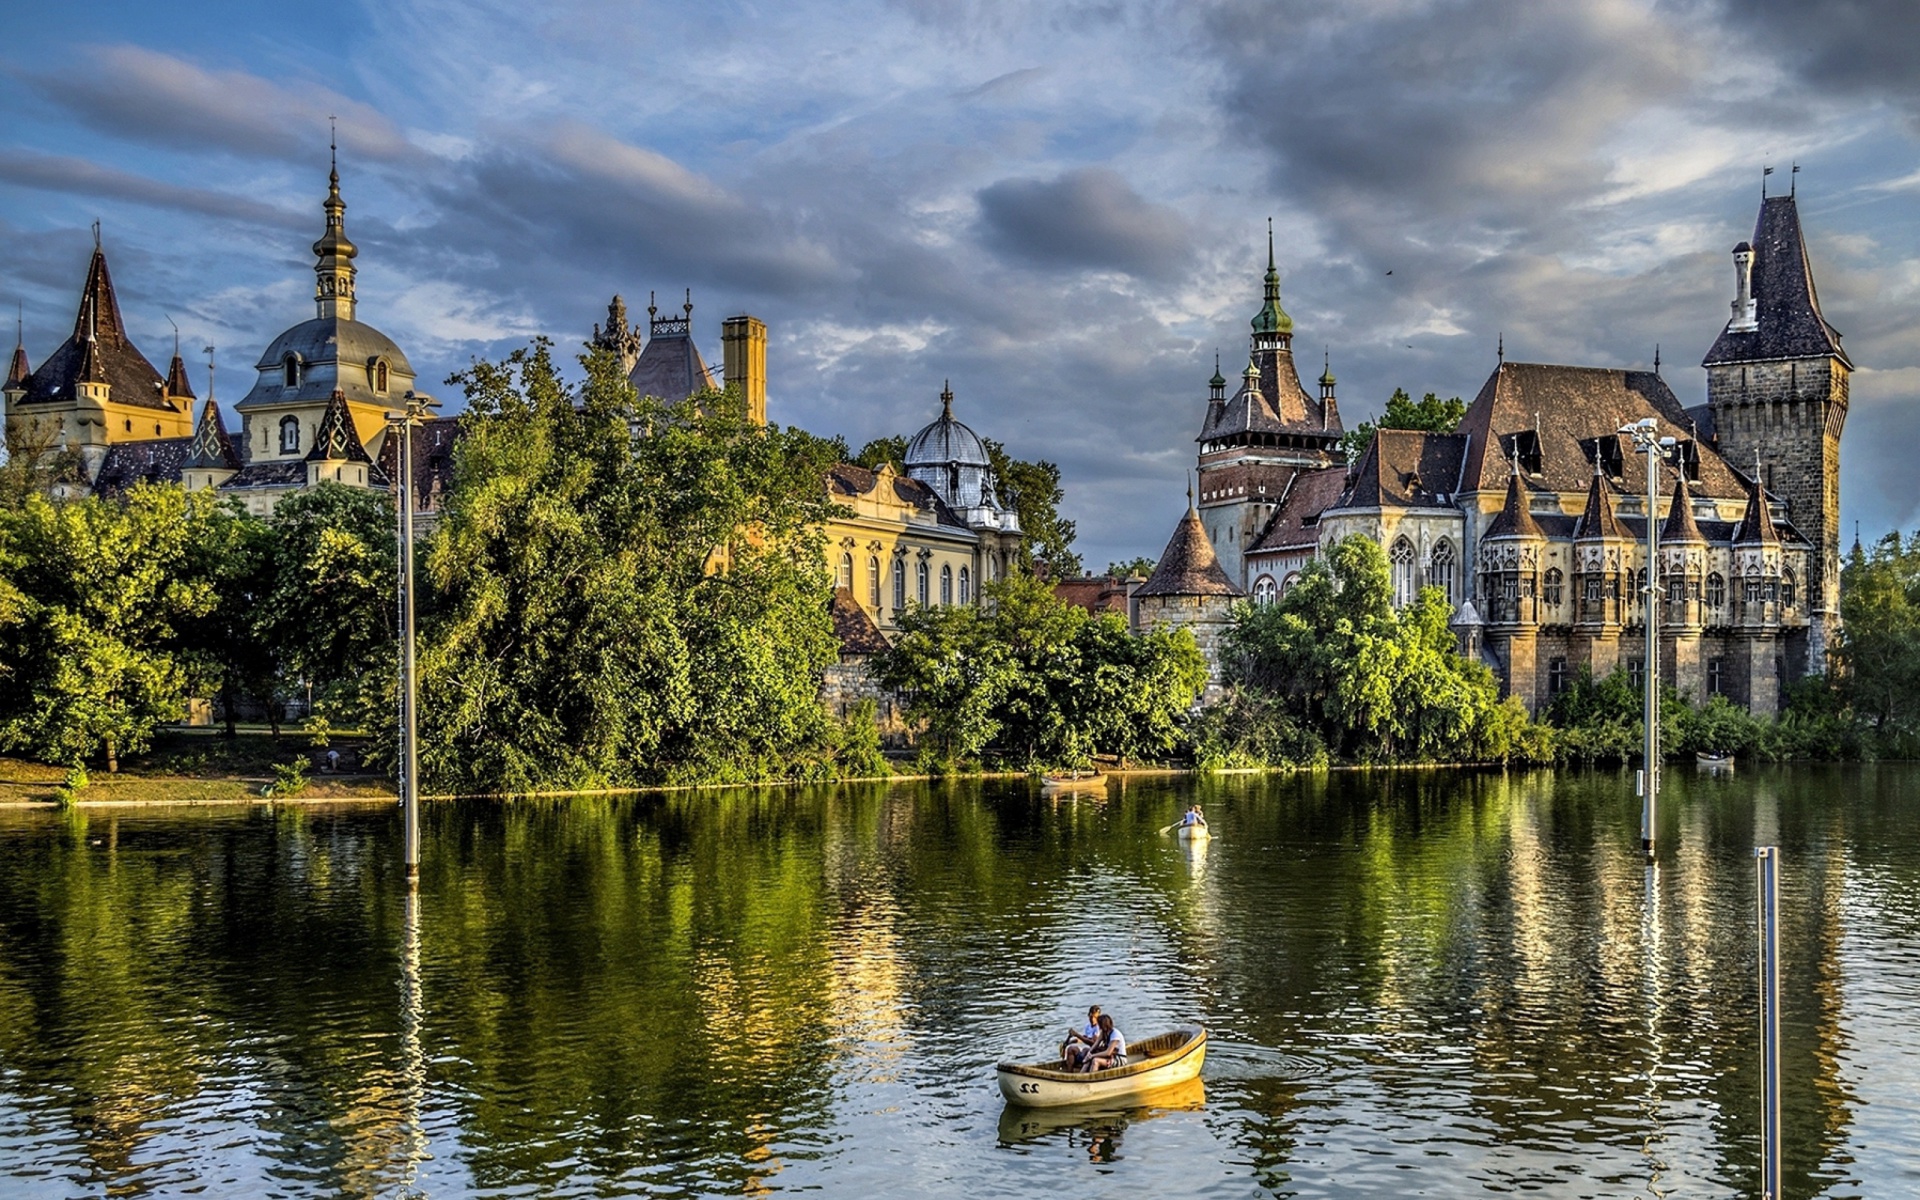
[(1272, 319), (1218, 381)]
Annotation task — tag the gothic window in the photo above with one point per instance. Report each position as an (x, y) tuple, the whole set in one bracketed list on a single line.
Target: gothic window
[(846, 572), (1401, 560), (1263, 590), (899, 584), (1556, 676), (873, 580), (380, 377), (1752, 591), (290, 371), (1595, 590), (1286, 585), (1716, 677), (289, 435), (966, 586), (1716, 590), (946, 586), (1553, 583), (1786, 588), (925, 591), (1440, 568)]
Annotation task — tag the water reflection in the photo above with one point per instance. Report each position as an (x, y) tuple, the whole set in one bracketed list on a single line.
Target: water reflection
[(1416, 982)]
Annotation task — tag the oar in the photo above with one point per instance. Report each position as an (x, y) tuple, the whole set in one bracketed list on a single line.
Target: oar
[(1169, 829)]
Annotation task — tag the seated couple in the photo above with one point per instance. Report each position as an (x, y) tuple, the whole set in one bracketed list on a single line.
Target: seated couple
[(1095, 1046)]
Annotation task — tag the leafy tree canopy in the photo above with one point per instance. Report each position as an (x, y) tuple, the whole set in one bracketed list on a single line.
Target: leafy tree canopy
[(1138, 568), (1429, 413)]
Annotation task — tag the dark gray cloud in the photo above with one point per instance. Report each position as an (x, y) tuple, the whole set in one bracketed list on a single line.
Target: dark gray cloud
[(1086, 217), (79, 177), (136, 93), (1846, 46)]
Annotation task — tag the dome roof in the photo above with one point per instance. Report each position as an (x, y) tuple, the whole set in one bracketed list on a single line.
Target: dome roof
[(334, 339), (946, 442)]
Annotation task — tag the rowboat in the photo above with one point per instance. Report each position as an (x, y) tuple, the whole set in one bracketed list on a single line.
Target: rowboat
[(1074, 781), (1193, 833), (1019, 1123), (1153, 1063), (1713, 762)]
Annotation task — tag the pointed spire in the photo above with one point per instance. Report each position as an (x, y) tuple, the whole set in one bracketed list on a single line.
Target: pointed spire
[(92, 368), (177, 387), (333, 285), (17, 373), (1501, 347), (1656, 358), (1271, 323), (1598, 521), (1190, 507), (946, 399), (99, 313), (1516, 519), (336, 440), (1326, 376), (1756, 527), (212, 448), (1680, 527)]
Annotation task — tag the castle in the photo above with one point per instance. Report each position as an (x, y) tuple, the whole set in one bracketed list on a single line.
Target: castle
[(1532, 514)]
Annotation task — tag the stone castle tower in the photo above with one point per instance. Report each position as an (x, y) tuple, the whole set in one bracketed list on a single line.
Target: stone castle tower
[(1777, 397)]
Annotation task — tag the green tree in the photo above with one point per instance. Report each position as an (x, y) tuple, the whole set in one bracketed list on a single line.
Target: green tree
[(1137, 568), (627, 590), (881, 451), (97, 600), (1034, 492), (1430, 413), (1039, 680), (1879, 643)]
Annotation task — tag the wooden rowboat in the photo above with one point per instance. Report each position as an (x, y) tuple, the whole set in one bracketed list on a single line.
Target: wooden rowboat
[(1193, 833), (1153, 1063), (1074, 781)]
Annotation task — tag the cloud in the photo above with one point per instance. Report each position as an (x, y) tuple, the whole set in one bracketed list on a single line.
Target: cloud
[(144, 95), (78, 177), (1848, 46), (1088, 217)]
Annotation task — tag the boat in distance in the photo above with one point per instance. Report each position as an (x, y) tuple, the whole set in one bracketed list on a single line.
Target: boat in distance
[(1161, 1061), (1193, 833), (1073, 781)]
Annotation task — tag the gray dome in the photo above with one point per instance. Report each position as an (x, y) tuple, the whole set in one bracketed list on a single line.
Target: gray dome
[(946, 442), (334, 353), (334, 339)]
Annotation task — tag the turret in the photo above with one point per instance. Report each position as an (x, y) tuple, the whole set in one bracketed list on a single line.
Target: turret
[(1510, 559), (1599, 549), (1683, 561), (1329, 407), (1746, 311), (333, 286), (337, 455), (1272, 327)]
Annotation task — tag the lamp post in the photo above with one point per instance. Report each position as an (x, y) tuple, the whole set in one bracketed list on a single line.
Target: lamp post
[(1645, 434), (401, 424), (1768, 860)]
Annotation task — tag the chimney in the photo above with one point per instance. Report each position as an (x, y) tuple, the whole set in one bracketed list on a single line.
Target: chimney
[(743, 344), (1745, 311)]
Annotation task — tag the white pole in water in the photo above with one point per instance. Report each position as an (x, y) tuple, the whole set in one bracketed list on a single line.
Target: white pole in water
[(1645, 438), (1768, 860), (402, 423)]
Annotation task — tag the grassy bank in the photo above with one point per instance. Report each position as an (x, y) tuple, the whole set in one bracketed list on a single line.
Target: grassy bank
[(191, 766)]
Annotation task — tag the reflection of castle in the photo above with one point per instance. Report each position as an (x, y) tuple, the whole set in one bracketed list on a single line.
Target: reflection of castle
[(1532, 515)]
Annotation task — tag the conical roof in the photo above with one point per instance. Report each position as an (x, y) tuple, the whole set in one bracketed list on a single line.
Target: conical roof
[(1598, 523), (1680, 526), (98, 351), (18, 372), (337, 440), (1787, 306), (177, 385), (1516, 518), (1756, 528), (1188, 566), (212, 448)]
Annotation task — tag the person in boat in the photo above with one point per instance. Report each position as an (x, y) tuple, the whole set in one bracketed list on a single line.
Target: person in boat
[(1109, 1049), (1193, 817), (1079, 1041)]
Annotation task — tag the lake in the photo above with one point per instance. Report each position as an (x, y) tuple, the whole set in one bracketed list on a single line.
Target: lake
[(1417, 983)]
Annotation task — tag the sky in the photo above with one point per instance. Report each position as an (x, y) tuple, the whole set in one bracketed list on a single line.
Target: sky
[(1060, 207)]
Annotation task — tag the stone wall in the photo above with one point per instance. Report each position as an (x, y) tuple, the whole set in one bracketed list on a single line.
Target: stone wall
[(847, 683)]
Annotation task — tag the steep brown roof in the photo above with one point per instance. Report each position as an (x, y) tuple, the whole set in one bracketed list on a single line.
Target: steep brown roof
[(1407, 468), (1680, 526), (1295, 522), (1516, 518), (1572, 407), (17, 374), (1188, 566), (1787, 307), (177, 385), (858, 635), (1756, 527), (98, 348), (1276, 403)]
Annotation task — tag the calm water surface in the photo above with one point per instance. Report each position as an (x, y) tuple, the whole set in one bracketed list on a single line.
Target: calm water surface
[(1419, 984)]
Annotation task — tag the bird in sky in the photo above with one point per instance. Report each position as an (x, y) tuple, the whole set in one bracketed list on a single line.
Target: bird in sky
[(1389, 272)]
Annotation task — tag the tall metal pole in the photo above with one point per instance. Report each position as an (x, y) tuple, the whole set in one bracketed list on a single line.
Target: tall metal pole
[(410, 732), (1645, 438), (1768, 860)]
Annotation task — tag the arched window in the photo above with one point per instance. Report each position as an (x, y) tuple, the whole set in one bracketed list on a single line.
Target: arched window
[(289, 435), (946, 585), (1716, 590), (1550, 587), (921, 578), (1286, 585), (966, 586), (1263, 590), (1786, 588), (846, 572), (290, 371), (1400, 558), (873, 580), (380, 376), (899, 584), (1440, 568)]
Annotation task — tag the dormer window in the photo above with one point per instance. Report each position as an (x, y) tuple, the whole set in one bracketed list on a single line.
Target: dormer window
[(290, 370), (290, 431), (379, 374), (1523, 449)]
